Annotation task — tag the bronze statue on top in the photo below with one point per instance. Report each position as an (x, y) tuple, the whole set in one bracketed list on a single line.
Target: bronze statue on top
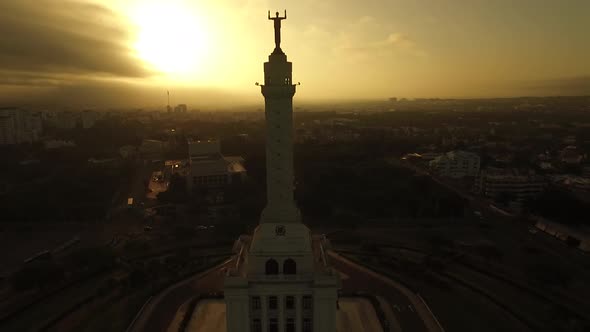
[(277, 20)]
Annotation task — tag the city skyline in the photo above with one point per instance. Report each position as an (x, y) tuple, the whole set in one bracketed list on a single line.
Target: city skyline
[(112, 53)]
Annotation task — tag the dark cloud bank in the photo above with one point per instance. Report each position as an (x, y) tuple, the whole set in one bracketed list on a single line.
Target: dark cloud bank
[(43, 42)]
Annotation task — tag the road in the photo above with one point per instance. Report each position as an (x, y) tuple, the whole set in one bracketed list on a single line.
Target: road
[(160, 311), (360, 279)]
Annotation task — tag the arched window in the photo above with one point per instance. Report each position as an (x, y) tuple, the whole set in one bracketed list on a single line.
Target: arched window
[(289, 267), (272, 267)]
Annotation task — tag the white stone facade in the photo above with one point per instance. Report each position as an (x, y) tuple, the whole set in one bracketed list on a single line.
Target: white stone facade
[(281, 283)]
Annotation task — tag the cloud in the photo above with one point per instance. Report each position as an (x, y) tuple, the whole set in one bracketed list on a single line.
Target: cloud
[(45, 42), (367, 37)]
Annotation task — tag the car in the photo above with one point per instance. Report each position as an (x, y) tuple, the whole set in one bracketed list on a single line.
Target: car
[(148, 228), (201, 227), (533, 230)]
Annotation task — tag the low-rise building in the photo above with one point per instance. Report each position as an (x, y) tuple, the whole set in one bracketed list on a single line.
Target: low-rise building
[(208, 168), (511, 185), (456, 164)]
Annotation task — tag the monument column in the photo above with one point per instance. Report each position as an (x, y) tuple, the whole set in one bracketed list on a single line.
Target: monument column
[(278, 94)]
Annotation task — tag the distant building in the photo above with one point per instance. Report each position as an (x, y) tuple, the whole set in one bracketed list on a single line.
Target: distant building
[(514, 185), (89, 118), (67, 120), (208, 168), (456, 164), (128, 151), (571, 156), (152, 149), (19, 126), (180, 108), (57, 144), (7, 130), (37, 122)]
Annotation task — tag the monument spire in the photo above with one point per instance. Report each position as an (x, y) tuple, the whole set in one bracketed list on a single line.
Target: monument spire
[(281, 280)]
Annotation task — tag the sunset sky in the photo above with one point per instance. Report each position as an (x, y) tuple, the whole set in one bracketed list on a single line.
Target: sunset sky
[(117, 52)]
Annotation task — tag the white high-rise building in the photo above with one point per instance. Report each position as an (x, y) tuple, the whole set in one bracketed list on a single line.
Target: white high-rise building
[(281, 280)]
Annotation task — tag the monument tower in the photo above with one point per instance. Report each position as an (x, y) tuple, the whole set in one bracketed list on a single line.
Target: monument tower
[(281, 280)]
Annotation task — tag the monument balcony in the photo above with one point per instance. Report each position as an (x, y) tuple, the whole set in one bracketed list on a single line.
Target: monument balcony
[(278, 91)]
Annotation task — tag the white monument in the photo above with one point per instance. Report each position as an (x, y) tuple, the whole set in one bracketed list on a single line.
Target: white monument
[(281, 280)]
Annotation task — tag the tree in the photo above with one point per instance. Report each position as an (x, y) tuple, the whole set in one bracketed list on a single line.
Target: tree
[(137, 278)]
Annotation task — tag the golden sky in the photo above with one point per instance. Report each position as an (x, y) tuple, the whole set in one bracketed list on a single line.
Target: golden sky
[(341, 49)]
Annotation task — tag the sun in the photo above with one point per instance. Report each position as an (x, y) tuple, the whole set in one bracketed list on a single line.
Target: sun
[(171, 38)]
